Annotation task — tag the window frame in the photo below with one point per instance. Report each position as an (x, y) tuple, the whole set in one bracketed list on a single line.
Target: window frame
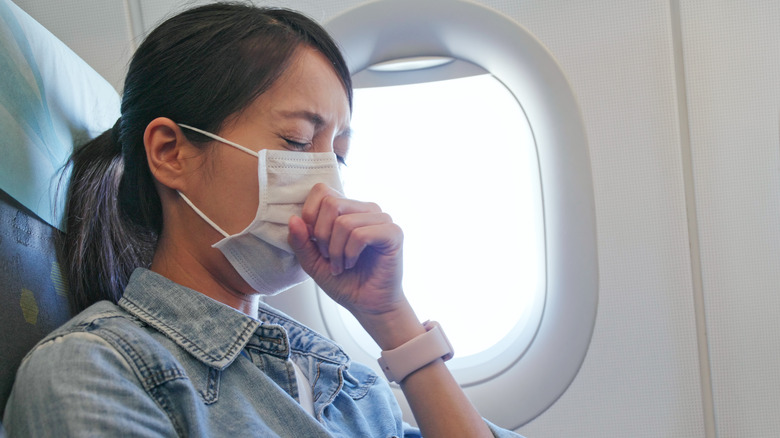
[(391, 29)]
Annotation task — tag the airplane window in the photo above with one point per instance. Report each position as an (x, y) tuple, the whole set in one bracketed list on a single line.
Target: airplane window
[(455, 164), (530, 188)]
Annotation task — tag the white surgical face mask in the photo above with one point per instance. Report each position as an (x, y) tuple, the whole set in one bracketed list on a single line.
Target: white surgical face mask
[(260, 253)]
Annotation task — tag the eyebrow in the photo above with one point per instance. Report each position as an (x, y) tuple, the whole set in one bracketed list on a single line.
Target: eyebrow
[(315, 119), (310, 116)]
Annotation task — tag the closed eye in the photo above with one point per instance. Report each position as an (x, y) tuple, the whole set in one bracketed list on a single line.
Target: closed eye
[(300, 146)]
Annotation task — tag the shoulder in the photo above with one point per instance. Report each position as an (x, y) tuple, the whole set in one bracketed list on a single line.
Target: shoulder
[(85, 343), (82, 330), (99, 311), (88, 367), (103, 336)]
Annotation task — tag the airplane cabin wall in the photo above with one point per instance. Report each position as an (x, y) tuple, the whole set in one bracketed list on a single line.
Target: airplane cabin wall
[(680, 103), (732, 56)]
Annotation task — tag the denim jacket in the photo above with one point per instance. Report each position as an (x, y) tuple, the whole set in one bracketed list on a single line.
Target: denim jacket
[(169, 361)]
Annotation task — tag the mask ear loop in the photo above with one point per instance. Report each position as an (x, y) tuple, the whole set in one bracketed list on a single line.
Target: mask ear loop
[(220, 139), (203, 216)]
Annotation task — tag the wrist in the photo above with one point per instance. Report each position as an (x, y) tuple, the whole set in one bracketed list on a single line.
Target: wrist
[(393, 328), (416, 354)]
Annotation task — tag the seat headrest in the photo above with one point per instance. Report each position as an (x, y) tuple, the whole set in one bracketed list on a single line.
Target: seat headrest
[(50, 101)]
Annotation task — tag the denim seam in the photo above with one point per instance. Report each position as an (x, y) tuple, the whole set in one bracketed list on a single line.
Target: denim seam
[(271, 315), (62, 331), (282, 352), (292, 381), (211, 393), (151, 381), (335, 393), (185, 341), (275, 353), (314, 383), (156, 394), (149, 378), (364, 388), (317, 356)]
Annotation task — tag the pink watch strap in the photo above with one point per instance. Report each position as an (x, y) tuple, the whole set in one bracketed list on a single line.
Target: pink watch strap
[(416, 353)]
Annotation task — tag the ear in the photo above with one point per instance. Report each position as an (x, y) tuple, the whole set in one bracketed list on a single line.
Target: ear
[(169, 154)]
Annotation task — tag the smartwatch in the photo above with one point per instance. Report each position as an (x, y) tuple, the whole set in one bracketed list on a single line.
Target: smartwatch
[(416, 353)]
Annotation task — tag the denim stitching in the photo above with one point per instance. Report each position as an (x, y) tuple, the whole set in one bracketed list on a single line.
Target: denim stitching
[(151, 381), (211, 393), (188, 344)]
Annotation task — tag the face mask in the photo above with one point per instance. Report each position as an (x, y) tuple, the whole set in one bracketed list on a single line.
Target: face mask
[(260, 253)]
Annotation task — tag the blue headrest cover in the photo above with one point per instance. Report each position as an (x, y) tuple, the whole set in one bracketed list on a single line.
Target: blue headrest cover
[(50, 101)]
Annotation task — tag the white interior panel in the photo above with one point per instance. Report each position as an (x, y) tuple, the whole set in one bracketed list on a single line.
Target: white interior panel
[(97, 30), (732, 64), (154, 11), (642, 374)]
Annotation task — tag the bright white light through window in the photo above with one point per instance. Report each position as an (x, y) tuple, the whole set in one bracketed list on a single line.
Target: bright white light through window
[(454, 163)]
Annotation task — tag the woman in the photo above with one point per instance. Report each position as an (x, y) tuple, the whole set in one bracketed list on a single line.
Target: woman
[(188, 211)]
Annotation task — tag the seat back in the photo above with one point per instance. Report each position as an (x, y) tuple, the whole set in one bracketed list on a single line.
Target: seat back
[(50, 100), (33, 294)]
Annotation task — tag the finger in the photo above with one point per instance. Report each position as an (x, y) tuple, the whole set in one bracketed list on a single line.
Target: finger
[(330, 208), (311, 206), (305, 250), (311, 211), (299, 234), (386, 238), (343, 227)]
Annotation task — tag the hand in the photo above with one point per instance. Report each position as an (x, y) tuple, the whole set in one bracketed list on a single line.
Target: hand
[(352, 250)]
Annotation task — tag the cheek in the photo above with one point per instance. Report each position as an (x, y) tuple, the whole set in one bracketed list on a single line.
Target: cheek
[(234, 194)]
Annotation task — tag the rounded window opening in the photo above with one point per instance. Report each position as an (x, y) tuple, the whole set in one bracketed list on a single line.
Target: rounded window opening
[(454, 162), (546, 356)]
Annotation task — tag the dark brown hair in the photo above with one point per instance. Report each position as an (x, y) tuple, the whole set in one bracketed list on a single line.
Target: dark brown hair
[(199, 68)]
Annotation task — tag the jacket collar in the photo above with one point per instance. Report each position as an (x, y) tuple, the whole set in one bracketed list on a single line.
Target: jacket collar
[(212, 332)]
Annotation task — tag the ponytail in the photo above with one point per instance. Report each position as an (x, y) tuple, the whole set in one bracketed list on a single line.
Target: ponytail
[(104, 243)]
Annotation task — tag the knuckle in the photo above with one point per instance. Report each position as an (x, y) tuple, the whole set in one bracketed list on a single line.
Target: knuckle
[(308, 215), (343, 221), (331, 203), (360, 236), (399, 232), (321, 235), (320, 188)]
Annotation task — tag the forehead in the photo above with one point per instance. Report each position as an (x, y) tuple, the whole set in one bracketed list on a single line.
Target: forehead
[(310, 84)]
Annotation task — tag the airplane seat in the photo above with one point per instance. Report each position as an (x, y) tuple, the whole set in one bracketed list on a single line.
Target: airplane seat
[(33, 296), (50, 100)]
